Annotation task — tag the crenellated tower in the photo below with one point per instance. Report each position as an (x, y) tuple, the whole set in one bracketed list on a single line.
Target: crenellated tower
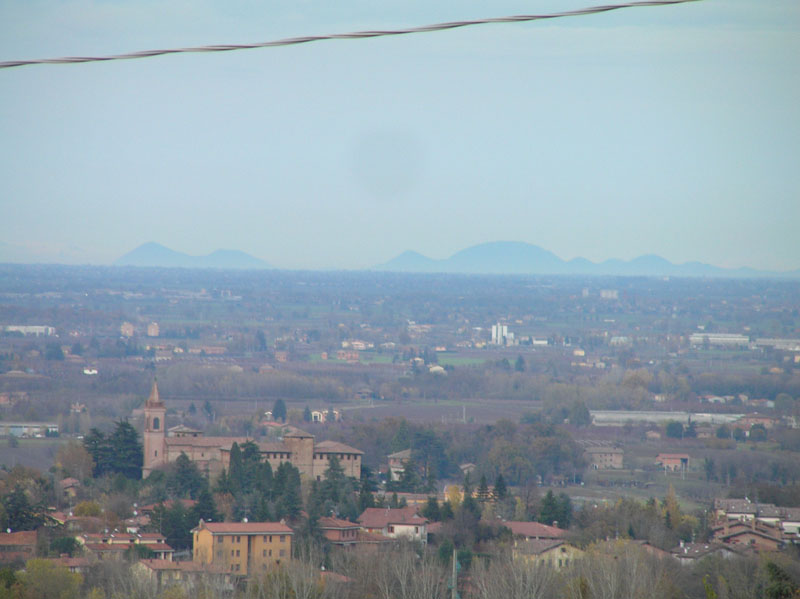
[(154, 420)]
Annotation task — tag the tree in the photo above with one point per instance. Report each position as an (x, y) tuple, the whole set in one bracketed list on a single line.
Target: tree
[(579, 415), (184, 479), (64, 546), (235, 469), (519, 365), (674, 430), (279, 410), (550, 510), (45, 580), (758, 432), (307, 414), (500, 489), (128, 455), (483, 489), (74, 460), (175, 523), (53, 351), (18, 513), (98, 447), (431, 510), (205, 508)]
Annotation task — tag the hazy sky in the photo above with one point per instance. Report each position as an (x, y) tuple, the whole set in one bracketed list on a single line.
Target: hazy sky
[(669, 130)]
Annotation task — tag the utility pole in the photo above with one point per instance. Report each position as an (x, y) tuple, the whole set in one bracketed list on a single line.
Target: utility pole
[(454, 580)]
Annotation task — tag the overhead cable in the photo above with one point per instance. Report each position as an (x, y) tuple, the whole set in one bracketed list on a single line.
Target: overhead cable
[(340, 36)]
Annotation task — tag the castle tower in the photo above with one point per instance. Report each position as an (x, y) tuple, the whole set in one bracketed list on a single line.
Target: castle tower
[(154, 445)]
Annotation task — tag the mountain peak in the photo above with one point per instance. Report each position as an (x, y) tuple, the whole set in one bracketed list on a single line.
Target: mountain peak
[(156, 255)]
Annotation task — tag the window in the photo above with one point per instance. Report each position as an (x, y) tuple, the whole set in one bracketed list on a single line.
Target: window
[(219, 539), (283, 552), (219, 554), (238, 539), (391, 529), (270, 552), (264, 553), (156, 423), (156, 453), (232, 552), (416, 530), (238, 567), (237, 553), (270, 538), (265, 538), (283, 538)]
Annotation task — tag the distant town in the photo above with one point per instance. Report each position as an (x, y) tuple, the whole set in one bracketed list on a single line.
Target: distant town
[(170, 432)]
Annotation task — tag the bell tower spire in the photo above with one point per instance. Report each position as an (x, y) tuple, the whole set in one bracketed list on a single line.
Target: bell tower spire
[(154, 436)]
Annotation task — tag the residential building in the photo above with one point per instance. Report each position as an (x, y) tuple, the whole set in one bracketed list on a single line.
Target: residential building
[(17, 546), (115, 544), (555, 553), (604, 458), (397, 463), (395, 523), (243, 548), (531, 531), (688, 554), (673, 462), (163, 573)]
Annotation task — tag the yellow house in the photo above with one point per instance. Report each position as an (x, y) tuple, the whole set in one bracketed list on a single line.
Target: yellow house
[(244, 548), (553, 552)]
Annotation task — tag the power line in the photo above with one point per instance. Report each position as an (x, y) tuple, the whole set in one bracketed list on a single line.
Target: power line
[(340, 36)]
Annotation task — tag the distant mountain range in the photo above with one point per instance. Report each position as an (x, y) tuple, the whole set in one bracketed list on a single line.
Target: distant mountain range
[(155, 254), (514, 257), (499, 257)]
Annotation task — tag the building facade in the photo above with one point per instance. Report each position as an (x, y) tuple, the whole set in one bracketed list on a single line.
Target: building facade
[(243, 548), (212, 454)]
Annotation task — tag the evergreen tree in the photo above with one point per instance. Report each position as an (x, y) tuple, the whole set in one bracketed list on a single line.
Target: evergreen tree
[(236, 470), (98, 447), (409, 478), (519, 365), (549, 511), (205, 508), (307, 414), (18, 513), (279, 410), (289, 503), (483, 490), (564, 512), (446, 511), (127, 452), (431, 510), (500, 489), (175, 524), (185, 480)]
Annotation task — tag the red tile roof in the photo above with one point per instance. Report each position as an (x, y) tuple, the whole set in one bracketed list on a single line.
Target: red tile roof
[(244, 528), (24, 537), (334, 447), (535, 530), (380, 517), (327, 522)]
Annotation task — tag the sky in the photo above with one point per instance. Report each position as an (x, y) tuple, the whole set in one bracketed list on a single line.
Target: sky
[(666, 130)]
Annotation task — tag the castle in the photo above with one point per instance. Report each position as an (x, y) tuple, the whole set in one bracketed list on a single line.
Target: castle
[(212, 454)]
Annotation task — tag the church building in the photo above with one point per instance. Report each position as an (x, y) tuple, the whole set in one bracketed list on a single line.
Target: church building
[(212, 454)]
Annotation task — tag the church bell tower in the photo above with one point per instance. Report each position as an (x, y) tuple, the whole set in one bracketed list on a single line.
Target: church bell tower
[(154, 445)]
